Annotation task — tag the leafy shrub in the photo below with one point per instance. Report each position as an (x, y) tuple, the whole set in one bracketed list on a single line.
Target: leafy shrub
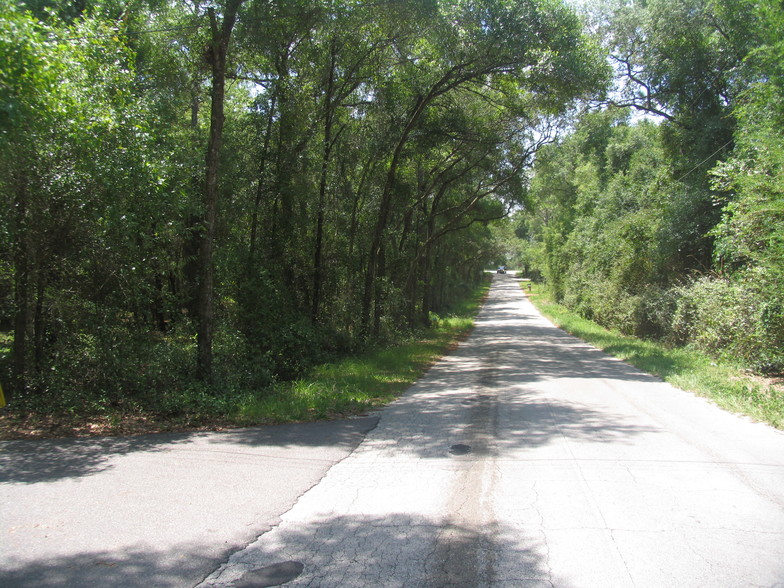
[(657, 308), (733, 318), (615, 308), (116, 366)]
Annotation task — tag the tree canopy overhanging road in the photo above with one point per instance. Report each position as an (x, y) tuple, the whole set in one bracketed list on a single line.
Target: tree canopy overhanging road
[(203, 198)]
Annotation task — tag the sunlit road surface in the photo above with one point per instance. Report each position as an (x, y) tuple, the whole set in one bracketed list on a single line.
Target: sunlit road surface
[(528, 458)]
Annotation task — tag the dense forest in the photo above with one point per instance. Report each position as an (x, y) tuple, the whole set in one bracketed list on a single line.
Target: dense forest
[(201, 197), (213, 195), (661, 214)]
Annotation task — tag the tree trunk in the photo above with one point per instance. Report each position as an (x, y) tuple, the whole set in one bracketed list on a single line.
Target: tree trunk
[(329, 112), (216, 55), (374, 272), (190, 273), (379, 291), (21, 289), (39, 323), (260, 188)]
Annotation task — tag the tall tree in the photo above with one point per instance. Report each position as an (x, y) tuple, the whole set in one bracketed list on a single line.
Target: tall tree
[(677, 60), (527, 47), (216, 55)]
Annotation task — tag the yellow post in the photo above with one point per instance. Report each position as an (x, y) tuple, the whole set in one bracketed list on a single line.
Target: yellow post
[(2, 398)]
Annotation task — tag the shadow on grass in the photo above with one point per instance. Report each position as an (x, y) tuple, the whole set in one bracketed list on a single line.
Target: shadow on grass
[(352, 386)]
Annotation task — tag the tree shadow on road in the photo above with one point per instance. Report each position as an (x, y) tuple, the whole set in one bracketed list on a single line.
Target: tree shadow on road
[(508, 352), (359, 551), (429, 427), (346, 432), (517, 383), (129, 568), (33, 461), (393, 550)]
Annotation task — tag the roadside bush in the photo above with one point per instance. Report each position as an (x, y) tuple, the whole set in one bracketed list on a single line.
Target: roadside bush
[(733, 318), (238, 365), (104, 367), (657, 308), (615, 308), (646, 314), (581, 292), (274, 335)]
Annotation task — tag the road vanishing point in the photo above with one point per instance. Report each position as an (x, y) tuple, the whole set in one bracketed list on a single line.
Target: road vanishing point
[(524, 458)]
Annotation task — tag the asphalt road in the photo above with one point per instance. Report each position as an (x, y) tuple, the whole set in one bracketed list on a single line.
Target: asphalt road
[(153, 510), (528, 458), (524, 458)]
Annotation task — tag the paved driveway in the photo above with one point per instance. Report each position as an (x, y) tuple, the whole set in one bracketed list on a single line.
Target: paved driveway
[(153, 510)]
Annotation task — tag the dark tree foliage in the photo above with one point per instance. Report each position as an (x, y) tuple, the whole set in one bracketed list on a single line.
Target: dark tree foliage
[(256, 184)]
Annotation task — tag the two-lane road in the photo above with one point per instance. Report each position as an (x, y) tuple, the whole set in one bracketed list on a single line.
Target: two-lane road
[(524, 458), (528, 458)]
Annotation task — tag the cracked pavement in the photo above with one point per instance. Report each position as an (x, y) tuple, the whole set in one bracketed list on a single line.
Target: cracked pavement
[(524, 458), (528, 458)]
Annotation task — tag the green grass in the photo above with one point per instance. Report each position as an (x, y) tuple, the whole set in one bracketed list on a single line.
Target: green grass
[(359, 384), (728, 385)]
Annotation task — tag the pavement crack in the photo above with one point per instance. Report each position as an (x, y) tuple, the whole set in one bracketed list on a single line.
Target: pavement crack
[(545, 539)]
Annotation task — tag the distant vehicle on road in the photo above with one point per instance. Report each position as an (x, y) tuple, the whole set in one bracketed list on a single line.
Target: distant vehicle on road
[(501, 270)]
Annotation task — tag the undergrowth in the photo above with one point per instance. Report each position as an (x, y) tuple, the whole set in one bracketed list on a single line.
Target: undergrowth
[(365, 382), (348, 386)]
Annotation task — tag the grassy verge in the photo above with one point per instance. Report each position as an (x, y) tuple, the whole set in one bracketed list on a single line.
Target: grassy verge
[(358, 384), (729, 386)]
